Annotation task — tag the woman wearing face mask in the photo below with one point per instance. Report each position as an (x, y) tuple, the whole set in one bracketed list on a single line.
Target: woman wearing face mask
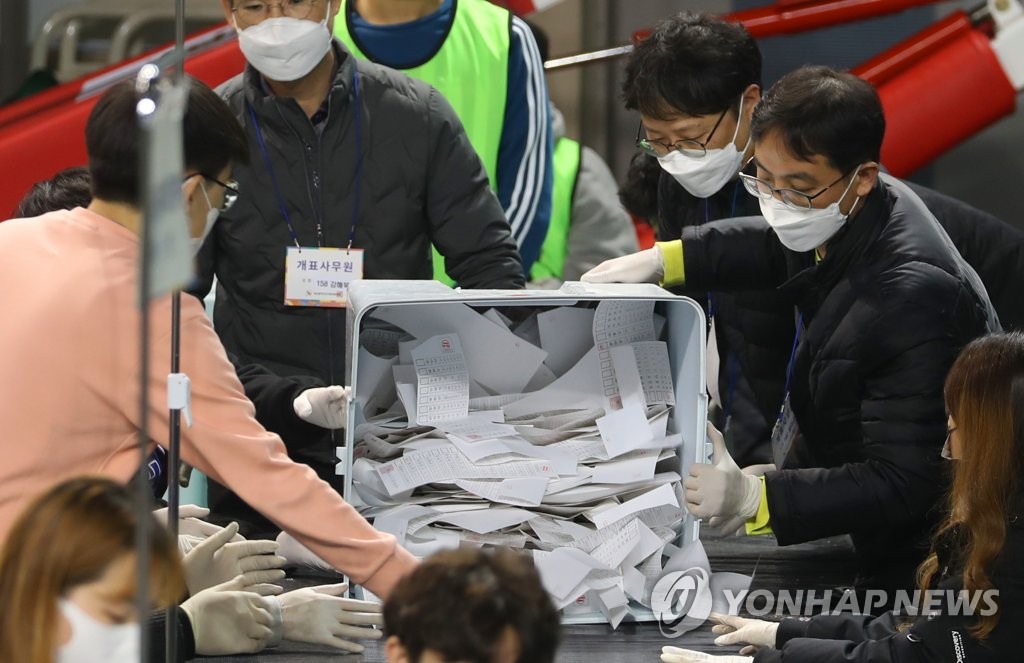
[(979, 548), (68, 576), (883, 302)]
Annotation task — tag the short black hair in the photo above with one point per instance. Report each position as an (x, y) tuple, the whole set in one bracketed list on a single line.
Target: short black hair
[(458, 603), (639, 193), (694, 64), (818, 110), (213, 139), (67, 189)]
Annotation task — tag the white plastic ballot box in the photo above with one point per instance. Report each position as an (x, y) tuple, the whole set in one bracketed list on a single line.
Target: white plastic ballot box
[(680, 323)]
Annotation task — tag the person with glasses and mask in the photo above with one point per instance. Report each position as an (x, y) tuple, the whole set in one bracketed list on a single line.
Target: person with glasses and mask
[(356, 165), (69, 398), (973, 573), (695, 81), (884, 303)]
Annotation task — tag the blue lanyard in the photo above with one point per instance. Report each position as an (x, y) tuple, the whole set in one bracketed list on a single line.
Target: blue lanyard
[(792, 360), (282, 207)]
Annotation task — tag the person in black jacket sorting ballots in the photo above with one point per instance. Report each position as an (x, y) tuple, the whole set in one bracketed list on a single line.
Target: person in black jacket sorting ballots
[(971, 599), (884, 303)]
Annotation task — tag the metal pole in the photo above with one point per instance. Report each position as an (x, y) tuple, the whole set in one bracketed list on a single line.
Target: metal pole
[(174, 441)]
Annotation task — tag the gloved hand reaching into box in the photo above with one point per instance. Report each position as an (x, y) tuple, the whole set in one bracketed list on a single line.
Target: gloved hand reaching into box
[(326, 407)]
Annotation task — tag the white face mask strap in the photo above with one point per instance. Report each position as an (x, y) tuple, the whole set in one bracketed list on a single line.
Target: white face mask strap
[(739, 118)]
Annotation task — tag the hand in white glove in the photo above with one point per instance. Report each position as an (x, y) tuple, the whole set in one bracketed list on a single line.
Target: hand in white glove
[(189, 523), (647, 266), (299, 555), (227, 620), (677, 655), (216, 560), (721, 489), (326, 407), (735, 630), (319, 615)]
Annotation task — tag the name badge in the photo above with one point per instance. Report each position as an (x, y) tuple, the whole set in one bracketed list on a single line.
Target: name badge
[(784, 434), (320, 277)]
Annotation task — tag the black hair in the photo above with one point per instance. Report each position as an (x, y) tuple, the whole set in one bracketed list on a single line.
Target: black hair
[(692, 64), (67, 189), (818, 110), (639, 193), (212, 139), (459, 603)]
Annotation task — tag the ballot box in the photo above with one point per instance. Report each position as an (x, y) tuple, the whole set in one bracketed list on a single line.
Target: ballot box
[(557, 422)]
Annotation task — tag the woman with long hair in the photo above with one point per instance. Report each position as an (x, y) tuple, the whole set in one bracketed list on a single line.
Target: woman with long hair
[(68, 576), (971, 585)]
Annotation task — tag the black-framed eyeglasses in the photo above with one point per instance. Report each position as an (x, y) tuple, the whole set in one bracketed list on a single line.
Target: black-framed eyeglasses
[(230, 190), (691, 147), (250, 12), (791, 198)]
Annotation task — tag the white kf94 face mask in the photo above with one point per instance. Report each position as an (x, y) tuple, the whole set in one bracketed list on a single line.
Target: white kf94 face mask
[(94, 642), (703, 176), (806, 230), (283, 48)]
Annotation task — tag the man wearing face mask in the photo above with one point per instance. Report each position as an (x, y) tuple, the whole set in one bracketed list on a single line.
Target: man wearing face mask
[(695, 81), (356, 167), (884, 305)]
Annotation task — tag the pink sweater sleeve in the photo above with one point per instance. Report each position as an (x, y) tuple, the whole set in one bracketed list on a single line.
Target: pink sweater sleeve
[(229, 445)]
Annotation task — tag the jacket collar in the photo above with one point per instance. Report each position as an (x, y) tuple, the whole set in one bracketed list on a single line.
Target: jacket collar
[(810, 285)]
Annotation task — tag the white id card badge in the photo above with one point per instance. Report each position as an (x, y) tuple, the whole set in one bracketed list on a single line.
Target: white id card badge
[(320, 277), (784, 434)]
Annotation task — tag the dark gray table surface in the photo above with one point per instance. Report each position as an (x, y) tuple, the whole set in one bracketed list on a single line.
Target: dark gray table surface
[(818, 565)]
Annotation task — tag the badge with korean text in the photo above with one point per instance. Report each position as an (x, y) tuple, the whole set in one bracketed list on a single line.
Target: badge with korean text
[(320, 277)]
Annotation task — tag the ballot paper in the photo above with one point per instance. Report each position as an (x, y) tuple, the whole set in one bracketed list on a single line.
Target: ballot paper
[(522, 491), (624, 430), (442, 380), (497, 358), (566, 335), (446, 464)]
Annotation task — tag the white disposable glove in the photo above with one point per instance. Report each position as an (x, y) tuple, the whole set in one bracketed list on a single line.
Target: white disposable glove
[(320, 616), (647, 266), (677, 655), (227, 620), (735, 630), (759, 470), (721, 490), (189, 523), (217, 560), (326, 407), (299, 555)]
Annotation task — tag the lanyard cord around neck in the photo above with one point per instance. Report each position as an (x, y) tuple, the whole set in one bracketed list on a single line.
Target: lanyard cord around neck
[(792, 359), (281, 205)]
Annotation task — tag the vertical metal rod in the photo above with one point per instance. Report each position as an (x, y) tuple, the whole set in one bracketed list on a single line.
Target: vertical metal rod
[(143, 491), (179, 42), (173, 464)]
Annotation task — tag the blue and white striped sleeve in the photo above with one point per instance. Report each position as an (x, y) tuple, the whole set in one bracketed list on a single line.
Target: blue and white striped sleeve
[(525, 153)]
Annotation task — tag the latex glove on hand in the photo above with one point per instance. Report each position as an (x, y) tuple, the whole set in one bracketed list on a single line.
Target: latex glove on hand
[(677, 655), (647, 266), (326, 407), (189, 523), (228, 620), (320, 616), (722, 491), (217, 560), (299, 555), (735, 630)]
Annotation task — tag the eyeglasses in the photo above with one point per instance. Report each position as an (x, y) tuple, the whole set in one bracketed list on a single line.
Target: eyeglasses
[(250, 12), (230, 190), (688, 146), (791, 198)]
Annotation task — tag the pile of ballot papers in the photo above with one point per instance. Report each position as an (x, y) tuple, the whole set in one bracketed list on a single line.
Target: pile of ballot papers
[(542, 428)]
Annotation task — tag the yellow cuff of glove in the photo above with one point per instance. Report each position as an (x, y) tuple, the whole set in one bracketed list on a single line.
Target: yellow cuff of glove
[(672, 254), (761, 522)]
